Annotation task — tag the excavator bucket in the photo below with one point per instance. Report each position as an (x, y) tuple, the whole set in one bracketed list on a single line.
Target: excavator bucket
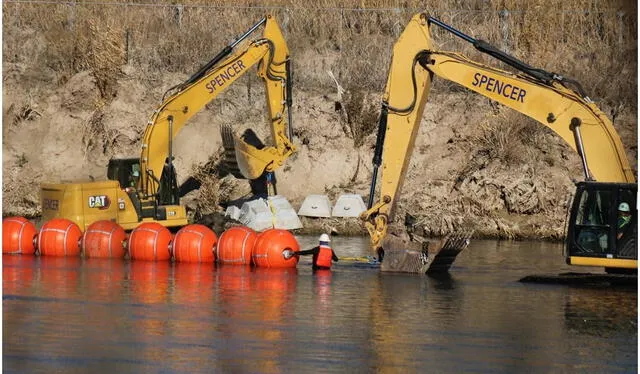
[(245, 157), (421, 256), (229, 158), (251, 161)]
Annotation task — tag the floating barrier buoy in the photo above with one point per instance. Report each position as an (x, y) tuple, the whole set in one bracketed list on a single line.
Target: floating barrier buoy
[(18, 234), (235, 246), (104, 239), (269, 248), (149, 241), (194, 243), (59, 237)]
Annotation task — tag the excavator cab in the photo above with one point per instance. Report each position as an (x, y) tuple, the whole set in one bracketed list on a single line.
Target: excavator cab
[(124, 170), (602, 227)]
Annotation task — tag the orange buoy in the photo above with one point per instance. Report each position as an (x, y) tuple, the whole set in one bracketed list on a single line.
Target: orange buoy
[(18, 234), (149, 241), (269, 248), (194, 243), (59, 237), (104, 239), (235, 246)]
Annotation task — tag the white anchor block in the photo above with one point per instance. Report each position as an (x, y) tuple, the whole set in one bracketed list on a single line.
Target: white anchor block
[(315, 206), (348, 205), (276, 212)]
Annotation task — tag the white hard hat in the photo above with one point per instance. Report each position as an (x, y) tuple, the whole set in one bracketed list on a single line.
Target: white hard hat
[(623, 207), (324, 238)]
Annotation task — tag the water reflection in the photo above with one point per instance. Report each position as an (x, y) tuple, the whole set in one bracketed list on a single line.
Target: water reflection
[(600, 313), (322, 297), (73, 315)]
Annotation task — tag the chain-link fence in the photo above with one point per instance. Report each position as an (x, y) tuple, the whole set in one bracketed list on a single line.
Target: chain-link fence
[(597, 46)]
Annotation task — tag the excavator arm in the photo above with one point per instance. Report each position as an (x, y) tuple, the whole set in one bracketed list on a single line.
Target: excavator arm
[(545, 97), (271, 54), (403, 102)]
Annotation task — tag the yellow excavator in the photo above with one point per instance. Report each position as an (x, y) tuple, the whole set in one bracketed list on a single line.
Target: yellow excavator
[(145, 189), (598, 234)]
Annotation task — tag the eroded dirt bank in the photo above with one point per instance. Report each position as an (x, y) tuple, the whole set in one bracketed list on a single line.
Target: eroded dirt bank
[(81, 80), (475, 165)]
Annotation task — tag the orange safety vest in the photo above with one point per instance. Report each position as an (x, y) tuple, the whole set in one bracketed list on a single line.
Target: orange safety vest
[(324, 256)]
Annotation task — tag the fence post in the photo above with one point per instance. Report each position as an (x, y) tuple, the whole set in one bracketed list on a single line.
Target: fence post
[(504, 26), (17, 15), (71, 17), (340, 40), (127, 44), (178, 14), (620, 15), (398, 16)]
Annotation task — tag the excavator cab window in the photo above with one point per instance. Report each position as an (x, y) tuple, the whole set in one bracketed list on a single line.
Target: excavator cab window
[(592, 221), (596, 226), (627, 224), (125, 170)]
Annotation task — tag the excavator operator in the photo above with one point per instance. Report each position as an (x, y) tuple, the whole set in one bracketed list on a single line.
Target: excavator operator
[(624, 217)]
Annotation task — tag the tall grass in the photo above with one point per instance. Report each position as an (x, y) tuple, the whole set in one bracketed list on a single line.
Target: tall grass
[(592, 41)]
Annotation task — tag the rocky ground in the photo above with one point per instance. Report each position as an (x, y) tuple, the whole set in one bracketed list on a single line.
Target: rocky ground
[(475, 164)]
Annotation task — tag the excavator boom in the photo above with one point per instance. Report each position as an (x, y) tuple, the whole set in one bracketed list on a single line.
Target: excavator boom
[(546, 99), (272, 55)]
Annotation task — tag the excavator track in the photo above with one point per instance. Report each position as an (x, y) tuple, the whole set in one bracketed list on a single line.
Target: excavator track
[(423, 257)]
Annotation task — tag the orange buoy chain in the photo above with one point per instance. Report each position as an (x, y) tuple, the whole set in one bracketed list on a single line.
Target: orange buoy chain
[(150, 241)]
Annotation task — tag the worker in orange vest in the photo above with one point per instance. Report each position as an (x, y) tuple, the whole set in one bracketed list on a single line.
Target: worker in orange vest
[(322, 254)]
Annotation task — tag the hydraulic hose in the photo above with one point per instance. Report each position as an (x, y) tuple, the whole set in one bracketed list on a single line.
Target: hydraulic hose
[(485, 47), (289, 92), (219, 57), (377, 153)]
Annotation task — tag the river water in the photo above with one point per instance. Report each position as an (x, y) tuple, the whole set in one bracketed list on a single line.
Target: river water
[(70, 315)]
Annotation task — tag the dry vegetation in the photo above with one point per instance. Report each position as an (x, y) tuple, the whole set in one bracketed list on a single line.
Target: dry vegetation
[(46, 45), (352, 39)]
